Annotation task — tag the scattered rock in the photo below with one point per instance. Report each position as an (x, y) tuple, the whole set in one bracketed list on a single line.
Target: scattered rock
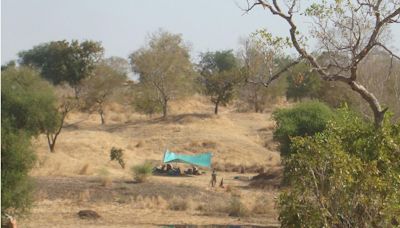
[(88, 214)]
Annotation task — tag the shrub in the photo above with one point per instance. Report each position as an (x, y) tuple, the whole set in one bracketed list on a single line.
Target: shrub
[(142, 172), (346, 176), (105, 179), (178, 204), (17, 158), (237, 208), (27, 110), (304, 119), (118, 155)]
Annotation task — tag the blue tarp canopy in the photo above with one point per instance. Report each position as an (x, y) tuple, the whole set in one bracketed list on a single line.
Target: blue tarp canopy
[(203, 159)]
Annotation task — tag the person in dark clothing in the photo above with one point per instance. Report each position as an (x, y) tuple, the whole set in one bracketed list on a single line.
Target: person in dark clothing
[(213, 178)]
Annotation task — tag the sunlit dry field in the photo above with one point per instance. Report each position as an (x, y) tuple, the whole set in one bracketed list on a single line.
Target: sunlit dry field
[(80, 175)]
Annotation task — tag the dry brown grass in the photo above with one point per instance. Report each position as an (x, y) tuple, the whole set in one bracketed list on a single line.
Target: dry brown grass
[(235, 139), (263, 205), (84, 196), (156, 202), (140, 144), (232, 137), (104, 177), (84, 170), (208, 144), (179, 204), (237, 208)]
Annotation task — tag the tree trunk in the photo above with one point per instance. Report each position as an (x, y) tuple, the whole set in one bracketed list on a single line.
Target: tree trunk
[(256, 107), (373, 102), (52, 137), (51, 140), (103, 121), (216, 107), (165, 111)]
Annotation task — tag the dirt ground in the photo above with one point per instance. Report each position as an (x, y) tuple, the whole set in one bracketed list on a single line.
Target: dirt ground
[(80, 175), (125, 203)]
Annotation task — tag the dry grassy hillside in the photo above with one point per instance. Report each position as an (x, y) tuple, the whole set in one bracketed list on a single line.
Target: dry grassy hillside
[(80, 175), (236, 139)]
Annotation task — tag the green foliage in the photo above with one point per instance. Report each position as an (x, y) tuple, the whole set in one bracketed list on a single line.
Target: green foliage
[(142, 172), (117, 154), (346, 176), (17, 158), (219, 75), (28, 102), (146, 101), (164, 66), (302, 83), (98, 89), (27, 109), (10, 64), (304, 119), (63, 61)]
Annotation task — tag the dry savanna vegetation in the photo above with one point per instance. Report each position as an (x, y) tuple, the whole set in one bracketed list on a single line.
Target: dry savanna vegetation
[(79, 174), (304, 140)]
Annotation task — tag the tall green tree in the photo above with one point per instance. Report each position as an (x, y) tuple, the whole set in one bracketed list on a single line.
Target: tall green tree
[(28, 108), (63, 61), (219, 75), (164, 66)]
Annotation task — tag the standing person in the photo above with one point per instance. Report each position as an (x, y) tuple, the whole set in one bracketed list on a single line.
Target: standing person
[(213, 178)]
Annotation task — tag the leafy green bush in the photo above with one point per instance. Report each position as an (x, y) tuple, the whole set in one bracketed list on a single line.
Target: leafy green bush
[(346, 176), (117, 154), (142, 172), (304, 119), (17, 158), (27, 109)]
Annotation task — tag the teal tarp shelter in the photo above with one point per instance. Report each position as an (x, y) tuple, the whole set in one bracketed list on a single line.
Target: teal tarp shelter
[(203, 159)]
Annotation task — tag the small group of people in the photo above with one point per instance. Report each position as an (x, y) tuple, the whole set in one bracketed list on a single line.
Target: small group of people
[(175, 171), (192, 171), (167, 169)]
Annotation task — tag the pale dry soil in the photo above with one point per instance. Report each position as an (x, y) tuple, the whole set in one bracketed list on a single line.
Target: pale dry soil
[(80, 175)]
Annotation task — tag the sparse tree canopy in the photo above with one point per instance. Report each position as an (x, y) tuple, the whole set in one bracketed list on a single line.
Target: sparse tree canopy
[(98, 88), (118, 64), (63, 61), (256, 68), (220, 75), (164, 66), (66, 102), (347, 30)]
